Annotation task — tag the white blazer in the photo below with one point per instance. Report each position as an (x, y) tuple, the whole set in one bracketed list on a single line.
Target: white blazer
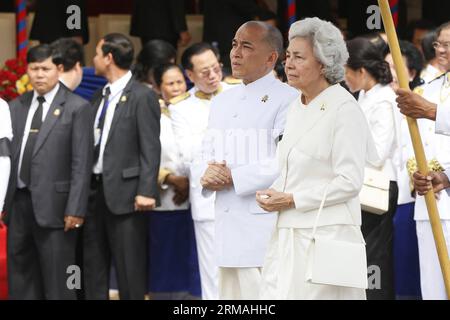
[(325, 143), (244, 128)]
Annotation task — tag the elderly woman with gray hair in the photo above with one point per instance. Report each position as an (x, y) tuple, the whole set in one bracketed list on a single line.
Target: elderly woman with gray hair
[(322, 156)]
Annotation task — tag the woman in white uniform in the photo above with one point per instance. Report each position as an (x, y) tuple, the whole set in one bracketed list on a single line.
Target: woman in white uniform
[(322, 155), (5, 152)]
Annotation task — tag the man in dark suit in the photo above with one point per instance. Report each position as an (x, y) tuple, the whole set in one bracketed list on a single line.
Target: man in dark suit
[(160, 19), (124, 182), (48, 188), (51, 21), (222, 19)]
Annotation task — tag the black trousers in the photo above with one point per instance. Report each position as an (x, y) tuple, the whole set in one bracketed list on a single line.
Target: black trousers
[(38, 258), (120, 237), (378, 231)]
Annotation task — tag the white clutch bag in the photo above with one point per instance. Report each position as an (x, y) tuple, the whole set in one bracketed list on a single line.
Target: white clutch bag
[(336, 262), (374, 195)]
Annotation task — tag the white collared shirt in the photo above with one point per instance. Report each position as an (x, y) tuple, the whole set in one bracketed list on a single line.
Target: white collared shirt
[(49, 97), (116, 92)]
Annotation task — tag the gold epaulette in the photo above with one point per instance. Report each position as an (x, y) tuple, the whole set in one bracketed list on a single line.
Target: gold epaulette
[(231, 80), (419, 91), (411, 166), (165, 111), (180, 98)]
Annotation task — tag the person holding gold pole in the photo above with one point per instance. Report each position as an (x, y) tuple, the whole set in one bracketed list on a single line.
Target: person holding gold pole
[(430, 103), (435, 222)]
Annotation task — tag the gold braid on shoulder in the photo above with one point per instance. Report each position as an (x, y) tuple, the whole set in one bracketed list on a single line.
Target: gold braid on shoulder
[(411, 166)]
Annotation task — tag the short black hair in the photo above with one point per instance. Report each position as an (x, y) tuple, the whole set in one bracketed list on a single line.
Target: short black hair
[(121, 49), (427, 45), (194, 50), (39, 53), (160, 70), (153, 54), (67, 52), (377, 40)]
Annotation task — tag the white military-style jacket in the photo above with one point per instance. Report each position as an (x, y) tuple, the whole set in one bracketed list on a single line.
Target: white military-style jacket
[(171, 161), (437, 146), (245, 125), (190, 114)]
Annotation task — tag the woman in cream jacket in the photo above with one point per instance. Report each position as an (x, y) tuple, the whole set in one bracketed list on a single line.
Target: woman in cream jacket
[(325, 146)]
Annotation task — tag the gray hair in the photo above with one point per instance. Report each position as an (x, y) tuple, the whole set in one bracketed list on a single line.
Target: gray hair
[(272, 36), (328, 45)]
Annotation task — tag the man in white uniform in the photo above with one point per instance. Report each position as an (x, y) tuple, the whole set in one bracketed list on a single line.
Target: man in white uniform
[(432, 102), (5, 150), (190, 113), (245, 125)]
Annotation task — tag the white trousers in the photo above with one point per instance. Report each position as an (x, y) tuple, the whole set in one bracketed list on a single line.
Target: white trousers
[(285, 266), (209, 272), (431, 279), (239, 283)]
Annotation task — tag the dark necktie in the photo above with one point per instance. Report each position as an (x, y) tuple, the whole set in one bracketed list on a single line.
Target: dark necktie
[(101, 123), (36, 123)]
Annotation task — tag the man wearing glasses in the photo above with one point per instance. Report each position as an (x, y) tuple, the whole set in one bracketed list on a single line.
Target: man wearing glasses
[(190, 113), (432, 103)]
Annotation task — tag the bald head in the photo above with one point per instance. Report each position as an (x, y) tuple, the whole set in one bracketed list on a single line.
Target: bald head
[(267, 33)]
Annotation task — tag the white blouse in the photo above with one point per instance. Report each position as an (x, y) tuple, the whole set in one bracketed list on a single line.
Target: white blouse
[(383, 117)]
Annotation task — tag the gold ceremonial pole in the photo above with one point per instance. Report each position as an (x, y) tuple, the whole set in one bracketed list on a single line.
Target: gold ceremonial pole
[(417, 144)]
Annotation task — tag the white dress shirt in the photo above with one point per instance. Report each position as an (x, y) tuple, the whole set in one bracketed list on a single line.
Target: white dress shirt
[(379, 107), (116, 92), (49, 96), (5, 162), (190, 121)]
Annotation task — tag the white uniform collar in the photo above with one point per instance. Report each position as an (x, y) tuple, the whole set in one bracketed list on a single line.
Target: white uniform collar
[(261, 83)]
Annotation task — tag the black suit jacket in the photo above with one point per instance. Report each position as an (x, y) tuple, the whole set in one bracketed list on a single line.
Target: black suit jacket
[(222, 18), (158, 19), (133, 150), (50, 21), (62, 159)]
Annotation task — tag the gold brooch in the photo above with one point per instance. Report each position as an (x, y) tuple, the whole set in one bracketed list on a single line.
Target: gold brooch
[(265, 98), (57, 113), (322, 107), (123, 99)]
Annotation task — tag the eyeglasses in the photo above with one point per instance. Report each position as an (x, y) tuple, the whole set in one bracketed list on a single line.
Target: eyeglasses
[(205, 73), (444, 45)]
